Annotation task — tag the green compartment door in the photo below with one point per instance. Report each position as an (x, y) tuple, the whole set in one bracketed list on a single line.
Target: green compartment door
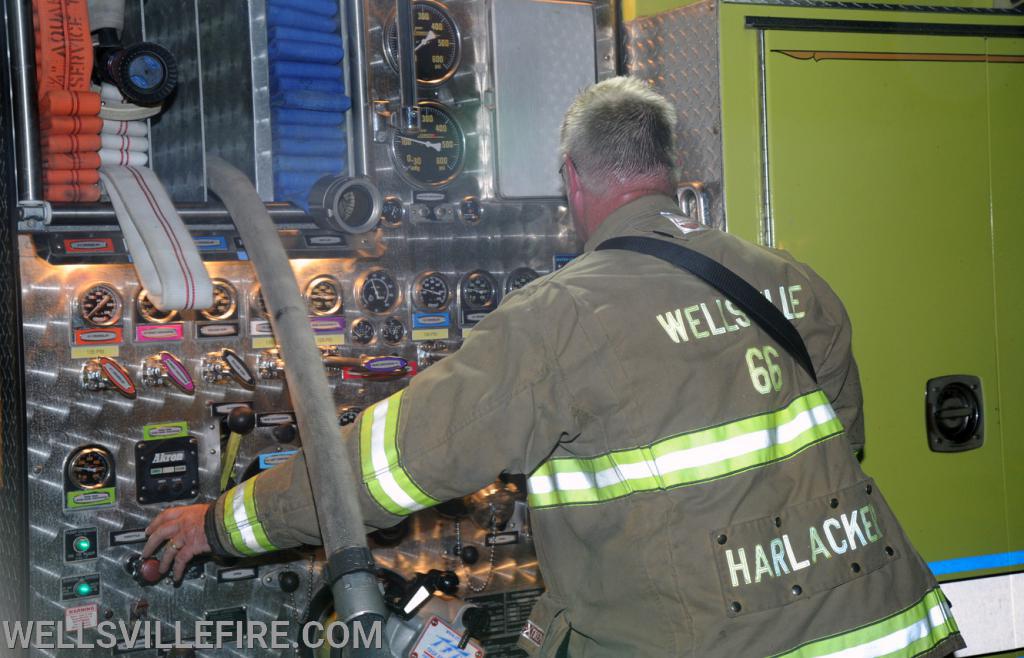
[(880, 175)]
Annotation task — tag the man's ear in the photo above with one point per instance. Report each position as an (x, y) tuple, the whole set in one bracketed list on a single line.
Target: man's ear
[(574, 186)]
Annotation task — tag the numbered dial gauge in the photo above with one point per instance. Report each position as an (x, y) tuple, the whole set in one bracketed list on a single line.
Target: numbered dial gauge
[(393, 331), (377, 291), (258, 305), (150, 313), (431, 291), (323, 294), (518, 278), (100, 305), (225, 301), (348, 415), (478, 291), (90, 468), (437, 43), (363, 332), (433, 156)]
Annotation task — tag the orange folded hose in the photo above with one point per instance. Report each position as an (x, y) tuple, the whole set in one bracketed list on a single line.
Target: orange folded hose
[(70, 143), (71, 193), (56, 177), (73, 125), (70, 103), (64, 56), (87, 160)]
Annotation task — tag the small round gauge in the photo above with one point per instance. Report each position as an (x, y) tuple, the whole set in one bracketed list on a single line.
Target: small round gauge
[(90, 468), (348, 414), (377, 291), (431, 292), (100, 305), (478, 290), (393, 331), (150, 313), (438, 44), (258, 305), (518, 278), (225, 301), (363, 331), (323, 294), (434, 155)]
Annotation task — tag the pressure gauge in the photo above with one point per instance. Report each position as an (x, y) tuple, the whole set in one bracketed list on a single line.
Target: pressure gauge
[(90, 468), (431, 292), (434, 155), (363, 331), (150, 313), (478, 291), (225, 301), (258, 305), (377, 292), (348, 415), (437, 46), (323, 294), (518, 278), (100, 305), (393, 331)]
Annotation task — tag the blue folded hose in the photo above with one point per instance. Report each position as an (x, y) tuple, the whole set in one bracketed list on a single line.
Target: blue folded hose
[(322, 7), (286, 69), (312, 164), (297, 34), (305, 51), (324, 85), (283, 17), (309, 118), (283, 132), (311, 100), (316, 147)]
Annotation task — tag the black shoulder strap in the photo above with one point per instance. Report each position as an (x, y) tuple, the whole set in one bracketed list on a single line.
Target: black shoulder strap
[(730, 284)]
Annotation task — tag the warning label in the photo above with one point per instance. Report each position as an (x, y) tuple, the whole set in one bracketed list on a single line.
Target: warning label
[(81, 616)]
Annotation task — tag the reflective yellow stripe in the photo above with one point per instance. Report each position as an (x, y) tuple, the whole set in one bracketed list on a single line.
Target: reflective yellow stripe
[(242, 523)]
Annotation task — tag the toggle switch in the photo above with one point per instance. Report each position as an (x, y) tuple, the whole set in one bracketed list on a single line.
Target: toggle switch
[(105, 374), (164, 368)]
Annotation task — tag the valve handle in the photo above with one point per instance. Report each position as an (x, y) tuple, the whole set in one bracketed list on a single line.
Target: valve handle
[(237, 368), (177, 373)]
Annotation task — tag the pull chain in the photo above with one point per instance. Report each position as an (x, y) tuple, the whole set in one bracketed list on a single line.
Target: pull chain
[(490, 560)]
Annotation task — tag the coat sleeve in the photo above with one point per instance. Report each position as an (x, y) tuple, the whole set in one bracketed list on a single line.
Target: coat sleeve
[(496, 405)]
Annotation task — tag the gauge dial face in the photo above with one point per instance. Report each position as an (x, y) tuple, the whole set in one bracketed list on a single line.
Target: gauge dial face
[(90, 468), (323, 294), (435, 154), (518, 278), (393, 331), (225, 301), (150, 313), (438, 44), (100, 305), (363, 331), (348, 415), (431, 291), (258, 305), (377, 292), (479, 291)]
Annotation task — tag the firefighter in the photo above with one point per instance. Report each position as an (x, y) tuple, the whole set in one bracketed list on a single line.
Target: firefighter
[(693, 491)]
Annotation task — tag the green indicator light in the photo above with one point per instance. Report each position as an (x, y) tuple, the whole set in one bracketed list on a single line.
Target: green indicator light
[(83, 589), (82, 544)]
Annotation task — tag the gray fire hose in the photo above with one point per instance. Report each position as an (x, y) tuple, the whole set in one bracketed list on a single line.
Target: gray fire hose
[(357, 597)]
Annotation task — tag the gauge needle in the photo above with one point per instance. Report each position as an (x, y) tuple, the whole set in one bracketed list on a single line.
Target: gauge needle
[(430, 145), (431, 35), (103, 302)]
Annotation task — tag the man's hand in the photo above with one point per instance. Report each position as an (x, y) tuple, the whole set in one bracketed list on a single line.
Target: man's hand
[(183, 528)]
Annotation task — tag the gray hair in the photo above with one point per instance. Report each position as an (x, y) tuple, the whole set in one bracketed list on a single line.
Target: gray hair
[(619, 130)]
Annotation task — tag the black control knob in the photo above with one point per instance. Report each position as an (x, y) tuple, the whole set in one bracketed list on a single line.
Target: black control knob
[(289, 581), (242, 419), (448, 583), (476, 621), (470, 555), (286, 432)]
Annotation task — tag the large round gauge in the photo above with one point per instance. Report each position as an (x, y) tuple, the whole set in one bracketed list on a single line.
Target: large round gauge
[(150, 313), (518, 278), (377, 291), (348, 415), (225, 301), (100, 305), (438, 44), (434, 155), (90, 468), (478, 291), (393, 331), (431, 292), (323, 294), (363, 331), (258, 305)]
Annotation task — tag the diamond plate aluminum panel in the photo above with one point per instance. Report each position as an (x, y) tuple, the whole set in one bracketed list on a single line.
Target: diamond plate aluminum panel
[(677, 52)]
